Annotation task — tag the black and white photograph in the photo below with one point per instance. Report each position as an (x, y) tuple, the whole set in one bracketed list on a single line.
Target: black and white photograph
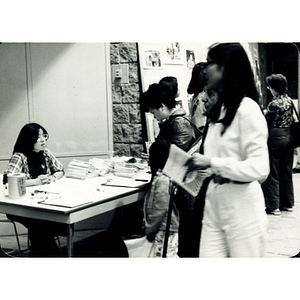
[(152, 59), (190, 59), (173, 53), (132, 165)]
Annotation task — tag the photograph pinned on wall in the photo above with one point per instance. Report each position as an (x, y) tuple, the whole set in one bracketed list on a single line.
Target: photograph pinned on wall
[(190, 60), (152, 57), (173, 53)]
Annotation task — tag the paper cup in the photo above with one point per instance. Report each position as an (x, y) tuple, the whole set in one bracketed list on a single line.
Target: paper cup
[(16, 185)]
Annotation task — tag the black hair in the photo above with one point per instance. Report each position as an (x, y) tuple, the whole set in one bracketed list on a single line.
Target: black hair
[(238, 79), (27, 138), (278, 82), (197, 81), (156, 95), (171, 83), (158, 155)]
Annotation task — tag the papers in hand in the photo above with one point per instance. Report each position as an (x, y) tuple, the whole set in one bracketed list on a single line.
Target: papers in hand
[(177, 171)]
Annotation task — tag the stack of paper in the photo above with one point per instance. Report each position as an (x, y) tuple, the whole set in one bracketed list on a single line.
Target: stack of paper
[(81, 170), (125, 170), (104, 165)]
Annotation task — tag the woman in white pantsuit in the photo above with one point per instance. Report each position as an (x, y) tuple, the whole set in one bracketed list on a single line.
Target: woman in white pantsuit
[(236, 154)]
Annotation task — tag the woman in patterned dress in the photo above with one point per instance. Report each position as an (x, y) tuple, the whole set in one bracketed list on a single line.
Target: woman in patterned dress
[(278, 188)]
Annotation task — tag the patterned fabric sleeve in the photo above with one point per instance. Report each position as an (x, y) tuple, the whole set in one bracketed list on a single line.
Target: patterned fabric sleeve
[(52, 163), (16, 164), (280, 111)]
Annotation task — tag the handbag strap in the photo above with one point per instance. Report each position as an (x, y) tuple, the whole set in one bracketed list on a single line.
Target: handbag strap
[(194, 126), (170, 209), (197, 131), (294, 108)]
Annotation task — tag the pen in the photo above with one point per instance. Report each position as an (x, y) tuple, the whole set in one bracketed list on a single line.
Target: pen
[(45, 192), (143, 180)]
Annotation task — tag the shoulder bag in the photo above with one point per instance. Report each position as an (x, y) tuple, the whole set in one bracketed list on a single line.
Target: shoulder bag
[(295, 128)]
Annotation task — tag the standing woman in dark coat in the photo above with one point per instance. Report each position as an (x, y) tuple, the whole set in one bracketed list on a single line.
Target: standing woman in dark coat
[(278, 188), (159, 99)]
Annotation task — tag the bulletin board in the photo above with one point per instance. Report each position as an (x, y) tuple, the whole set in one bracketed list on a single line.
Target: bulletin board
[(177, 59)]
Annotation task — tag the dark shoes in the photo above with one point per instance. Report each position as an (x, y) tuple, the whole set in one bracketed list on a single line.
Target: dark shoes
[(297, 168)]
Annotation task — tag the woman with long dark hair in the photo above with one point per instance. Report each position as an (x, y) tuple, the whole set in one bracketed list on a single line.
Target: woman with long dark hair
[(31, 156), (236, 155), (196, 94)]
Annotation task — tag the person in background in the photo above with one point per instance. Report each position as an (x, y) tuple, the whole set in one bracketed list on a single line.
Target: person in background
[(211, 100), (236, 155), (31, 156), (296, 169), (156, 203), (278, 188), (195, 90), (172, 83)]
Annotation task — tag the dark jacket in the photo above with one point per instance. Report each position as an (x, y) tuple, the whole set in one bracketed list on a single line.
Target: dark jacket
[(177, 130)]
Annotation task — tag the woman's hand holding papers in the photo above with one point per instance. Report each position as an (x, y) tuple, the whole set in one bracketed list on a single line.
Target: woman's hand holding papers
[(198, 162)]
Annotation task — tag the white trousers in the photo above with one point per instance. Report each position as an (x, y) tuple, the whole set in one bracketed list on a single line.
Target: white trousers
[(234, 222)]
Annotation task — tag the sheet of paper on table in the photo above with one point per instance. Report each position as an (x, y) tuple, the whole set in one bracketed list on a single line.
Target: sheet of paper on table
[(57, 200), (127, 182)]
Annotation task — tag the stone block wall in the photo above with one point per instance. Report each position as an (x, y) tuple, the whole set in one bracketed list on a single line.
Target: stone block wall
[(127, 124)]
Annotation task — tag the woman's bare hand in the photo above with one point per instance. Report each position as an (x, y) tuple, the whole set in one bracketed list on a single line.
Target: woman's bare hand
[(198, 162)]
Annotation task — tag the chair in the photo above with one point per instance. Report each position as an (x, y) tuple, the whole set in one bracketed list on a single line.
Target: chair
[(16, 232), (21, 251), (2, 253), (28, 240)]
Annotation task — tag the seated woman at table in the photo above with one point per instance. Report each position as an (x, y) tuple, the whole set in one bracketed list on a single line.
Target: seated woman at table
[(31, 156)]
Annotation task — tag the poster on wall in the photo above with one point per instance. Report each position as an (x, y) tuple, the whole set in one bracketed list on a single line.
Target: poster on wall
[(173, 53), (152, 57), (190, 60)]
